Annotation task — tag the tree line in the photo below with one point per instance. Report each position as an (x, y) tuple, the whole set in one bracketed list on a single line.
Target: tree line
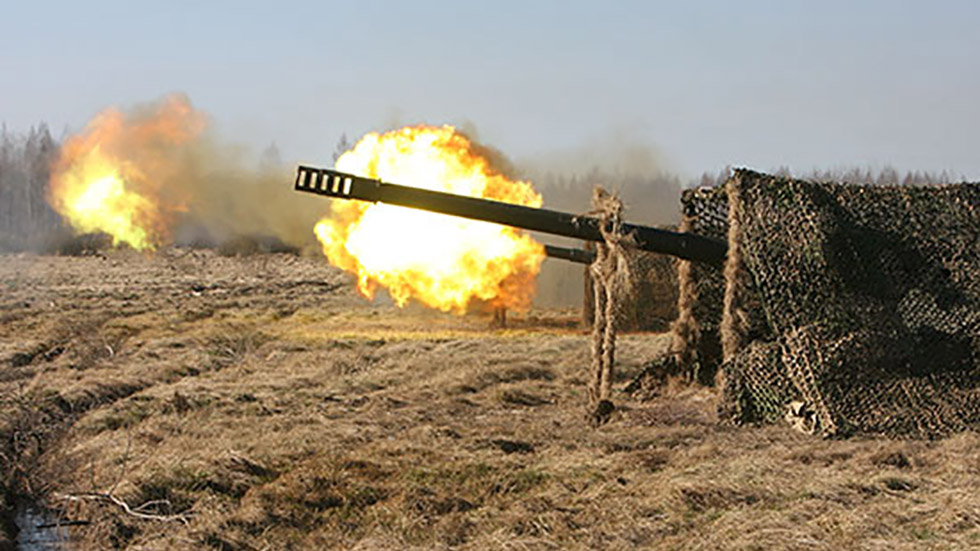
[(28, 222), (26, 219), (887, 176)]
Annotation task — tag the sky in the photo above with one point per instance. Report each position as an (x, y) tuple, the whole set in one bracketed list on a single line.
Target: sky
[(704, 84)]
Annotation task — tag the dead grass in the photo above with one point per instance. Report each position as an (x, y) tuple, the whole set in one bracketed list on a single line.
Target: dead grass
[(334, 423)]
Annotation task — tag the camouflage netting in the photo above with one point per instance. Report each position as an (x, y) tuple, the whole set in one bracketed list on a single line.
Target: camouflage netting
[(697, 340), (847, 309), (652, 304), (612, 285), (652, 301)]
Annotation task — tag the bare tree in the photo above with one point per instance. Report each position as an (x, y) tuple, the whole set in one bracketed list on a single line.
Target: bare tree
[(25, 168)]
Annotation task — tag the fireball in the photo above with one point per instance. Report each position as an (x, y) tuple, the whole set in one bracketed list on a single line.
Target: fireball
[(445, 262), (113, 177)]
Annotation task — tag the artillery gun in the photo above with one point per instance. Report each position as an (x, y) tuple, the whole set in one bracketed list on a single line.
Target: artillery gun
[(332, 183), (829, 298)]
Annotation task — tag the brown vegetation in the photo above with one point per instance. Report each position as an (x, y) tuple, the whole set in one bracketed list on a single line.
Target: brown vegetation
[(260, 401)]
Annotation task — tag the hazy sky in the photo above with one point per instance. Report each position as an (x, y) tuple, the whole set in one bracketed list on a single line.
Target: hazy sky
[(708, 84)]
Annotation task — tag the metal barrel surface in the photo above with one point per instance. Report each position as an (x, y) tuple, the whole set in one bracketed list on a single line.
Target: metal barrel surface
[(332, 183), (579, 256)]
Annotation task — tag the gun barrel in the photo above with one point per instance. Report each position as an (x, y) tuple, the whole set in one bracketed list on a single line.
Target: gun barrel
[(580, 256), (332, 183)]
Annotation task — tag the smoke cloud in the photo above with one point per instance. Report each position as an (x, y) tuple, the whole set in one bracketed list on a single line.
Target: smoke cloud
[(164, 170)]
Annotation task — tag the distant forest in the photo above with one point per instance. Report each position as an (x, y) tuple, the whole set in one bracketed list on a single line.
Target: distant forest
[(887, 176), (27, 222)]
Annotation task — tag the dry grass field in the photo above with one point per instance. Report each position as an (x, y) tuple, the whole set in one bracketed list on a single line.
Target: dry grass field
[(191, 401)]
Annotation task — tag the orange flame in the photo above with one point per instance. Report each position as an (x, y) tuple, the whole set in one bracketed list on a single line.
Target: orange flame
[(444, 261), (113, 176)]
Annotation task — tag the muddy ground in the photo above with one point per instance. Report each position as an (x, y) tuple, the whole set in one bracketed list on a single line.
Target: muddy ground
[(191, 401)]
